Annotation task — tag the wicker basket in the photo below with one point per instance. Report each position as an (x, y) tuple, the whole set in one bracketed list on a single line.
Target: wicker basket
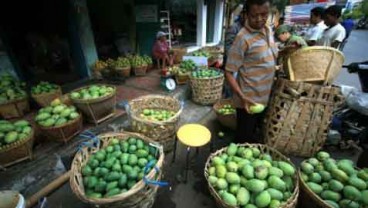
[(99, 109), (123, 72), (139, 196), (228, 120), (15, 108), (299, 116), (140, 71), (160, 131), (308, 197), (181, 79), (291, 202), (17, 152), (316, 63), (45, 99), (64, 132), (207, 91)]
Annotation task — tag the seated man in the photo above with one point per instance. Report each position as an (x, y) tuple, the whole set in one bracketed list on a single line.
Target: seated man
[(161, 50)]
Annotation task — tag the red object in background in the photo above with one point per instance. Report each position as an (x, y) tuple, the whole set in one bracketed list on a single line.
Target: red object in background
[(321, 1), (164, 71)]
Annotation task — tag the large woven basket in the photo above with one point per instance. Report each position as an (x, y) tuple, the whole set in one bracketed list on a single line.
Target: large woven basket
[(17, 152), (140, 71), (291, 202), (315, 63), (15, 108), (309, 198), (123, 72), (228, 120), (206, 91), (140, 195), (62, 133), (160, 131), (45, 99), (99, 109), (299, 116)]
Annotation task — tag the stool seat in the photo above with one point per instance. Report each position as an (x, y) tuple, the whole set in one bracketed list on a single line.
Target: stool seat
[(194, 135)]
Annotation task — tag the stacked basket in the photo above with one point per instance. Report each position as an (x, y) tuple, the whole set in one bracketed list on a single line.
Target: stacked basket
[(14, 108), (45, 99), (160, 131), (207, 91), (141, 195)]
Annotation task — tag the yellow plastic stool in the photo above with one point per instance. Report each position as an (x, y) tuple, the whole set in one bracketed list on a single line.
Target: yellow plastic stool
[(192, 135)]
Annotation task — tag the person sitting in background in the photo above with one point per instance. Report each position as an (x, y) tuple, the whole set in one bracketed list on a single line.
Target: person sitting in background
[(315, 32), (161, 50), (284, 34), (335, 34)]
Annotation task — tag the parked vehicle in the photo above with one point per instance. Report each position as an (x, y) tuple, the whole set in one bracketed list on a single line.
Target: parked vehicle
[(363, 22)]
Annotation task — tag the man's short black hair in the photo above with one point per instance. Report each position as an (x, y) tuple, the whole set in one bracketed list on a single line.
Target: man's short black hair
[(249, 3), (318, 11), (334, 11)]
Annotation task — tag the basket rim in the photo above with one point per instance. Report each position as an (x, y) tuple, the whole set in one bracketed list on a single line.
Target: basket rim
[(219, 103), (173, 118), (213, 192), (15, 101), (58, 90), (135, 189), (76, 120), (123, 68), (221, 75), (22, 142), (82, 101)]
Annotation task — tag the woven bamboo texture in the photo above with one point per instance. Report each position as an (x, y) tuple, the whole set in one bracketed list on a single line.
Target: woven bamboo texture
[(14, 109), (140, 195), (160, 131), (181, 79), (228, 120), (99, 109), (299, 116), (45, 99), (62, 133), (315, 63), (140, 71), (308, 197), (17, 151), (290, 203), (123, 72), (206, 91)]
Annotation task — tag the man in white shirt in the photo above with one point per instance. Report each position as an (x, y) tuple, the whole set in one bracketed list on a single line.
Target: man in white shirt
[(335, 34), (315, 32)]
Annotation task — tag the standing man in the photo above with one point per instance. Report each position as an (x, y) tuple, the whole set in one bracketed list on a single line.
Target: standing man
[(335, 34), (253, 56), (315, 32)]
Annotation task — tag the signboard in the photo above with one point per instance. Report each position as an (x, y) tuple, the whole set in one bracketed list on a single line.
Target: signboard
[(146, 13), (198, 60)]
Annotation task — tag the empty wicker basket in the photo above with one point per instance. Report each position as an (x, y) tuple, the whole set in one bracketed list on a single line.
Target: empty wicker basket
[(45, 99), (207, 91), (290, 203), (299, 117), (15, 108), (160, 131), (99, 109), (228, 120), (315, 63), (140, 195)]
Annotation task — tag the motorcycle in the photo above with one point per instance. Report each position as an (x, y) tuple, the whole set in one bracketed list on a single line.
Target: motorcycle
[(363, 22)]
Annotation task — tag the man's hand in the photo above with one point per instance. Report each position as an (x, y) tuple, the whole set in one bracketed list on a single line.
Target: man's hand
[(247, 103)]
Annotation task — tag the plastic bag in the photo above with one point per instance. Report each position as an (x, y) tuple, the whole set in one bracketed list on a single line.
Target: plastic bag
[(356, 99)]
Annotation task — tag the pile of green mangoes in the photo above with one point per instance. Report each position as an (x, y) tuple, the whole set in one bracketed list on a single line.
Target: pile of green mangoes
[(11, 88), (338, 183), (246, 177), (156, 114), (138, 61), (227, 109), (44, 87), (186, 66), (206, 73), (117, 168), (201, 53), (148, 60), (122, 62), (92, 92), (13, 132), (56, 114)]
